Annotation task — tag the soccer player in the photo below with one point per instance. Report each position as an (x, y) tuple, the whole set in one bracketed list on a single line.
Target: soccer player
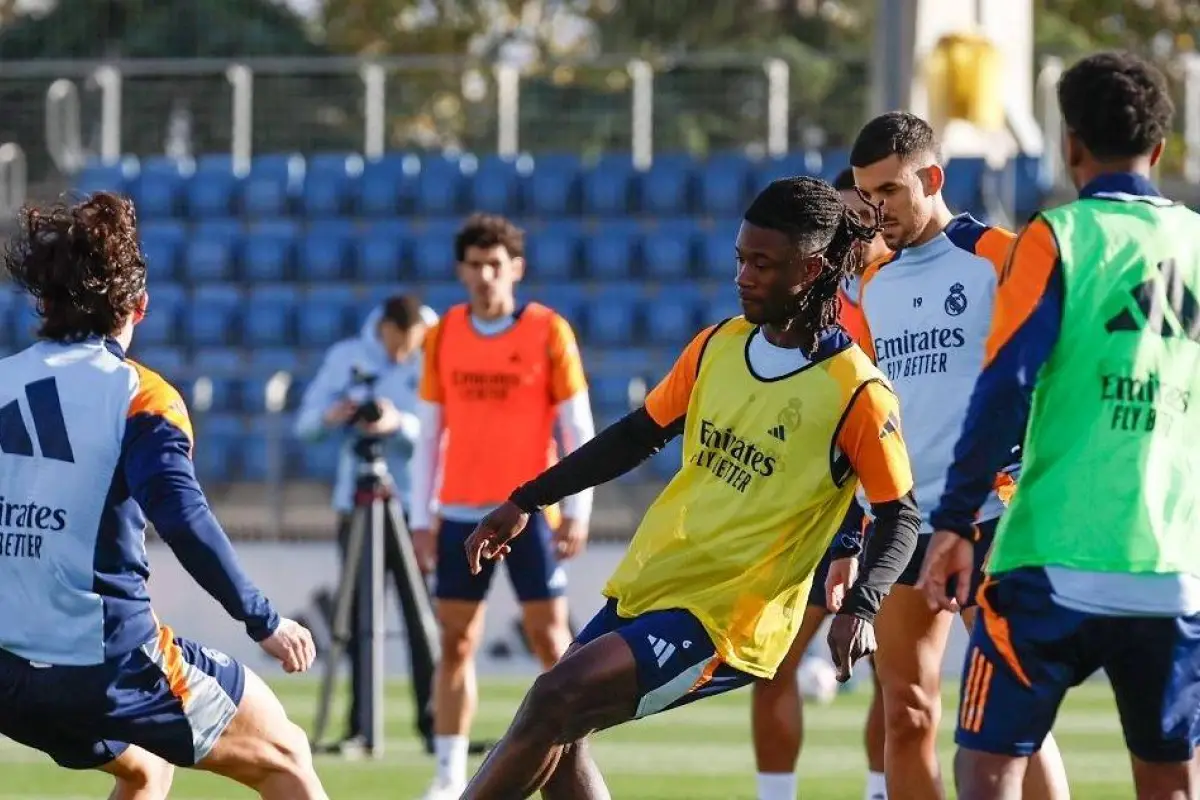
[(777, 711), (1094, 359), (92, 445), (926, 313), (782, 417), (497, 376)]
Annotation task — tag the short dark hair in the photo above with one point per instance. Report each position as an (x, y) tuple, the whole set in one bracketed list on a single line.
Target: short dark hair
[(82, 263), (1117, 103), (896, 133), (489, 230), (402, 310), (844, 182), (814, 217)]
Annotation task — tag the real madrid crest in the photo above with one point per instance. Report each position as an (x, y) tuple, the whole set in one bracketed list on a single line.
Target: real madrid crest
[(956, 301)]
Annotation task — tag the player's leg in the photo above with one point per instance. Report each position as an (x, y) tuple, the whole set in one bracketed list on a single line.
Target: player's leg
[(139, 775), (1025, 652), (1045, 775), (1153, 664), (460, 613), (777, 709), (875, 736), (631, 669), (911, 644), (540, 584)]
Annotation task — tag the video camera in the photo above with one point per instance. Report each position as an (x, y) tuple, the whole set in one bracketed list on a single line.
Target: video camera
[(367, 448)]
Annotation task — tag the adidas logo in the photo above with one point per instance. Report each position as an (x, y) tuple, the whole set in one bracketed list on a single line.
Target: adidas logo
[(662, 649), (1149, 297), (890, 425), (779, 432)]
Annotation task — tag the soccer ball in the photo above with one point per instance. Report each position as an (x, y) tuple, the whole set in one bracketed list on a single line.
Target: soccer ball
[(818, 680)]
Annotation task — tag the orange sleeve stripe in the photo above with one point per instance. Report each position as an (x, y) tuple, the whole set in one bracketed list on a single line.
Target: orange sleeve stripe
[(567, 378), (994, 245), (871, 438), (852, 319), (1023, 281), (158, 398), (668, 401), (430, 389), (865, 340)]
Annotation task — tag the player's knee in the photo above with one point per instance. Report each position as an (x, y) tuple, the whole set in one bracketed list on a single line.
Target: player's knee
[(910, 713), (556, 703), (784, 685), (149, 777), (458, 646), (287, 752)]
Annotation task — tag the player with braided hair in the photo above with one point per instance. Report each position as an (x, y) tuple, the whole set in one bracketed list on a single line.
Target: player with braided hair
[(782, 418)]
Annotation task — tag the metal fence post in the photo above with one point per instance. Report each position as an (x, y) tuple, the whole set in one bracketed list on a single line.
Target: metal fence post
[(642, 134), (778, 105)]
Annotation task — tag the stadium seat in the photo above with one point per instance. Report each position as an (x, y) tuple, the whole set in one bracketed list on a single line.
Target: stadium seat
[(964, 184), (271, 315), (717, 257), (169, 362), (212, 320), (666, 188), (442, 295), (609, 393), (96, 177), (218, 360), (157, 194), (269, 434), (264, 196), (611, 316), (720, 305), (268, 249), (162, 243), (388, 185), (552, 188), (329, 183), (610, 251), (440, 186), (723, 180), (607, 187), (160, 326), (269, 360), (381, 252), (670, 318), (218, 440), (211, 251), (785, 166), (668, 249), (326, 252), (210, 193), (553, 252), (325, 316), (321, 458), (496, 185), (569, 299), (433, 254)]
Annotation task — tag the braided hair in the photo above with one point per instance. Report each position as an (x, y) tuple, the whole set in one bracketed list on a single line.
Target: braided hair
[(811, 213)]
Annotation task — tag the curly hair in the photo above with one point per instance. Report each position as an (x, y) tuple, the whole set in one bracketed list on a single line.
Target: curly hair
[(1117, 103), (489, 230), (81, 263), (811, 213)]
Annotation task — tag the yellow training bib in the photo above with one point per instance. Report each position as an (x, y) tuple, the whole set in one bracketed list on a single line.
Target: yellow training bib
[(762, 489)]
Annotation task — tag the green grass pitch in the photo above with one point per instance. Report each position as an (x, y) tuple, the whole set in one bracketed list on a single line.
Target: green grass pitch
[(697, 752)]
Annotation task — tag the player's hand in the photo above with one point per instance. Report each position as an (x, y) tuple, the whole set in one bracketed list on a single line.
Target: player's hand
[(291, 645), (843, 572), (570, 538), (949, 556), (339, 413), (493, 533), (390, 419), (424, 542), (850, 639)]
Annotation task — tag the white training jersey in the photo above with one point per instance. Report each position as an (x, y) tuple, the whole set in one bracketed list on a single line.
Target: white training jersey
[(926, 313)]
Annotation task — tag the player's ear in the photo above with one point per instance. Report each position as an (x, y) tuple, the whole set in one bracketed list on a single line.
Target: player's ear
[(1157, 152), (139, 307), (1072, 148), (518, 268), (933, 178)]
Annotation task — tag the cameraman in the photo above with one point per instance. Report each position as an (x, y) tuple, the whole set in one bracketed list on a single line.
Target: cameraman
[(383, 364)]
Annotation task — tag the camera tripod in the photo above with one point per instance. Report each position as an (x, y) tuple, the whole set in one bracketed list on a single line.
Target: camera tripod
[(374, 525)]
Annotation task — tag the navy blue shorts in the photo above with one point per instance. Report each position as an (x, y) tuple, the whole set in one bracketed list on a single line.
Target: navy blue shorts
[(987, 534), (677, 663), (1026, 652), (532, 565), (172, 697)]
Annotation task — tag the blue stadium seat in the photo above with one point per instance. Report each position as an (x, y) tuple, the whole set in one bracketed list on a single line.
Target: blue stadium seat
[(722, 304), (271, 317), (210, 253), (496, 185), (433, 253), (381, 256), (329, 183), (162, 244), (666, 188), (569, 299), (321, 459), (611, 316), (326, 252), (964, 184), (606, 187), (286, 167), (785, 166), (609, 393), (717, 257), (669, 249), (226, 392), (257, 449), (264, 196), (267, 250), (219, 439), (610, 252), (553, 253), (170, 362), (325, 316), (440, 186), (210, 193), (96, 177), (552, 189), (671, 317), (157, 194), (163, 312), (217, 360), (388, 185), (1030, 195), (268, 360), (723, 182), (212, 320), (441, 296)]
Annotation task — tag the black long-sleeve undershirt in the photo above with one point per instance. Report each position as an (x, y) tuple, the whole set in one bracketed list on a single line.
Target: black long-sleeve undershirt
[(890, 548)]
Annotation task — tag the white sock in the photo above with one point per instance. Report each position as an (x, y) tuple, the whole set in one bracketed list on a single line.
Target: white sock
[(451, 752), (876, 786), (776, 786)]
